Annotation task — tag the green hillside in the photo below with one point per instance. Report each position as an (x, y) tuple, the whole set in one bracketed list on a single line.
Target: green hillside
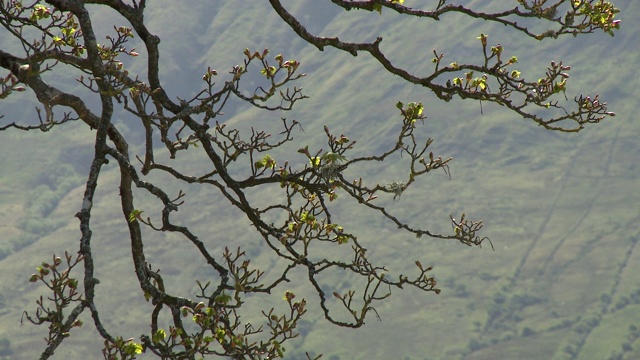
[(562, 210)]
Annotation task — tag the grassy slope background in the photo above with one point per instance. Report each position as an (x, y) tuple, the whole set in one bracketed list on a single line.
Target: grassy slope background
[(561, 209)]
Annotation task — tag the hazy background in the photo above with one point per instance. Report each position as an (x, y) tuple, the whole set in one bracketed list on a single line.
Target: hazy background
[(562, 210)]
